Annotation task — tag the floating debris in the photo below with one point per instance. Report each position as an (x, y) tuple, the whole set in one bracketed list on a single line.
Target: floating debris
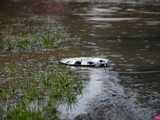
[(86, 62)]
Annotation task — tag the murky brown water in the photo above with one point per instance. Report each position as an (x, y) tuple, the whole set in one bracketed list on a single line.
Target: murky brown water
[(128, 35)]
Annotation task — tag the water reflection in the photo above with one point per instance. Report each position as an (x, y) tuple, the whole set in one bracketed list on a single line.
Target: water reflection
[(90, 92), (99, 19), (124, 31), (129, 36)]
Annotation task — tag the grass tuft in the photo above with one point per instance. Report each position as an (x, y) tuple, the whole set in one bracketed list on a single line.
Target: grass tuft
[(33, 91)]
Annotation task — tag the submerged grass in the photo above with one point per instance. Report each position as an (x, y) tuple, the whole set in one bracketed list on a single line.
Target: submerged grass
[(28, 43), (41, 38), (33, 91)]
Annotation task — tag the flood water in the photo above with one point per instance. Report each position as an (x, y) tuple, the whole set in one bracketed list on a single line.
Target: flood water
[(127, 34)]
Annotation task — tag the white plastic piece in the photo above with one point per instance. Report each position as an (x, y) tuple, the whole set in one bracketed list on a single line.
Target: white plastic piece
[(86, 61)]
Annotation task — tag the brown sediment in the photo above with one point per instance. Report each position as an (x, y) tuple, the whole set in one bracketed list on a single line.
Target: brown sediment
[(44, 7), (14, 57)]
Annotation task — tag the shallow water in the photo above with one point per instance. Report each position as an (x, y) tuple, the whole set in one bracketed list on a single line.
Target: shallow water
[(92, 88), (127, 34)]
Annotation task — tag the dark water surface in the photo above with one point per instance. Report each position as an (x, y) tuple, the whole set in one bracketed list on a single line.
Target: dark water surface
[(127, 34)]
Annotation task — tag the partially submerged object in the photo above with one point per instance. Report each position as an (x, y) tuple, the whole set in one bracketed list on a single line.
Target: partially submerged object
[(86, 62)]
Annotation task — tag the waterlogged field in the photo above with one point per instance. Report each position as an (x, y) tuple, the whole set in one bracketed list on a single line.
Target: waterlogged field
[(42, 37), (32, 84), (35, 34)]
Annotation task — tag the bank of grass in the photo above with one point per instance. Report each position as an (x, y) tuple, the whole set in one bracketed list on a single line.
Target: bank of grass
[(33, 91), (35, 42), (41, 39)]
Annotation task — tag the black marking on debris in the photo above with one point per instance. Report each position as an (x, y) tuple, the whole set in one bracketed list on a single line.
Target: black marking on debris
[(78, 63)]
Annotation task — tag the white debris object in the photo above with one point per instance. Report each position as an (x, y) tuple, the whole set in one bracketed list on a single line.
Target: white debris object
[(86, 61)]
